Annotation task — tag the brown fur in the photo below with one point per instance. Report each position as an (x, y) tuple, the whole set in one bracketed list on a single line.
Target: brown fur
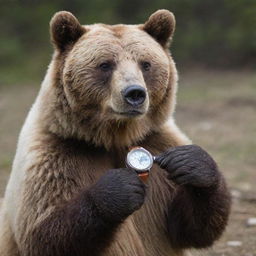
[(102, 126), (65, 29), (75, 136), (156, 22), (55, 180)]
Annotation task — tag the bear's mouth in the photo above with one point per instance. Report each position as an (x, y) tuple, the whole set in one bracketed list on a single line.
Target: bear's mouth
[(130, 113)]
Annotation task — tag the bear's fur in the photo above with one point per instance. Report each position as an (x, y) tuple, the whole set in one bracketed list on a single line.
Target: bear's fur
[(79, 127)]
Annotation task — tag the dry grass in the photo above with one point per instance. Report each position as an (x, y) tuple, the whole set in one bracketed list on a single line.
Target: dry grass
[(216, 109)]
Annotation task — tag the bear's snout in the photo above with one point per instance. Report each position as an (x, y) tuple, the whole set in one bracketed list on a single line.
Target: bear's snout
[(134, 95)]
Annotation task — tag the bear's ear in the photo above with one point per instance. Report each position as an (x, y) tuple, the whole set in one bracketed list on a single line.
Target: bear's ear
[(160, 25), (65, 29)]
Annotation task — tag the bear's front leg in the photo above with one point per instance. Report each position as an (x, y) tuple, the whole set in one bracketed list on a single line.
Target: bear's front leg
[(199, 211), (86, 224)]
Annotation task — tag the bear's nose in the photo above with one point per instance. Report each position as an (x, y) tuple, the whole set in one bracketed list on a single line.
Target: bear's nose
[(134, 95)]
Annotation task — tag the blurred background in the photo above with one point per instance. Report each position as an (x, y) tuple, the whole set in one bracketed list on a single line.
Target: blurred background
[(218, 34), (214, 47)]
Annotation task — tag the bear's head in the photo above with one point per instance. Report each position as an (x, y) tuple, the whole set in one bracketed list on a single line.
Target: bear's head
[(114, 84)]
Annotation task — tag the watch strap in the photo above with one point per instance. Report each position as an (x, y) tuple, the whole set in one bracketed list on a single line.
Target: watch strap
[(144, 176)]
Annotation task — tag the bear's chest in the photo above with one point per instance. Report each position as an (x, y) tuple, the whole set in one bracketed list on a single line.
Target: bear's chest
[(144, 232)]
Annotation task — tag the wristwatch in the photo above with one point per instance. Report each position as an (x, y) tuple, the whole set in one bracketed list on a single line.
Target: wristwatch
[(140, 160)]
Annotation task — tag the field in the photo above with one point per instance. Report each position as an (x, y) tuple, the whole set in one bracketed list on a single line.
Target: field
[(216, 109)]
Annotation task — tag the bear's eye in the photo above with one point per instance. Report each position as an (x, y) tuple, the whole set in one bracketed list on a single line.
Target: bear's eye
[(146, 65), (106, 66)]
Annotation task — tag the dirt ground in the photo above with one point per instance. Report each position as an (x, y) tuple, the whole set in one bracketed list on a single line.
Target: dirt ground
[(216, 109)]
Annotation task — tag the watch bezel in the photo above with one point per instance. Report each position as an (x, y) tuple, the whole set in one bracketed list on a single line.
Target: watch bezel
[(147, 169)]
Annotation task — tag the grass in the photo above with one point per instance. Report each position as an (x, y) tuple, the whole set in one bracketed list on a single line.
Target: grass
[(217, 110)]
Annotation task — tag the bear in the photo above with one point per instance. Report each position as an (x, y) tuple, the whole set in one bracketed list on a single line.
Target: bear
[(109, 88)]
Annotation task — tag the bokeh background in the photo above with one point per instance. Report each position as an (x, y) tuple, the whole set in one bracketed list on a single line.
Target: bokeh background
[(219, 33), (215, 50)]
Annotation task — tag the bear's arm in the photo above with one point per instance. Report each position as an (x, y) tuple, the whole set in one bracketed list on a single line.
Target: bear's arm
[(58, 214), (196, 217), (74, 229)]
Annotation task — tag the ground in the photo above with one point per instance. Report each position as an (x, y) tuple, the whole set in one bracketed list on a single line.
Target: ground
[(216, 109)]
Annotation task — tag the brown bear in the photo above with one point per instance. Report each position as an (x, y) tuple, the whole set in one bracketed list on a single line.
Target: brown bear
[(109, 88)]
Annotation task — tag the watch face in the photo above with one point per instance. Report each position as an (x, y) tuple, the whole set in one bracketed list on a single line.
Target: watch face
[(139, 159)]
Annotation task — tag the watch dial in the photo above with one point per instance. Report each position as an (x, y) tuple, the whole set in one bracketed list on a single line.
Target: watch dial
[(139, 159)]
